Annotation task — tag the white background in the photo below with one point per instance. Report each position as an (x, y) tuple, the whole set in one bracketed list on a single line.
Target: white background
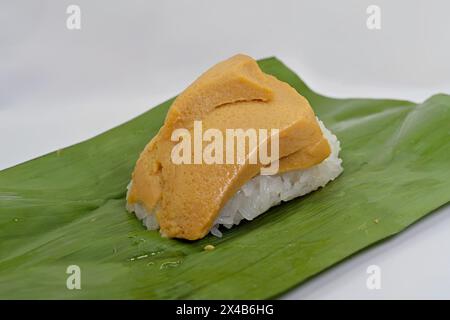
[(59, 87)]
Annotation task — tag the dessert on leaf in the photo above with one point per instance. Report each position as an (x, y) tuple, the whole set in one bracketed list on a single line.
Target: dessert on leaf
[(188, 185)]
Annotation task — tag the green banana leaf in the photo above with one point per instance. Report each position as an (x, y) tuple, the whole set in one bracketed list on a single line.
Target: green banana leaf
[(68, 208)]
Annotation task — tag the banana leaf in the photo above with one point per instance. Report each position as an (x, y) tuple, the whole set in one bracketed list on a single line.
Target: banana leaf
[(68, 208)]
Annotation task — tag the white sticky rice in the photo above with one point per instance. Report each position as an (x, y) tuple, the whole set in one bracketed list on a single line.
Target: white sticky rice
[(263, 192)]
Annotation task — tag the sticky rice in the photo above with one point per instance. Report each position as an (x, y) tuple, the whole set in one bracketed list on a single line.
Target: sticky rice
[(263, 192)]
